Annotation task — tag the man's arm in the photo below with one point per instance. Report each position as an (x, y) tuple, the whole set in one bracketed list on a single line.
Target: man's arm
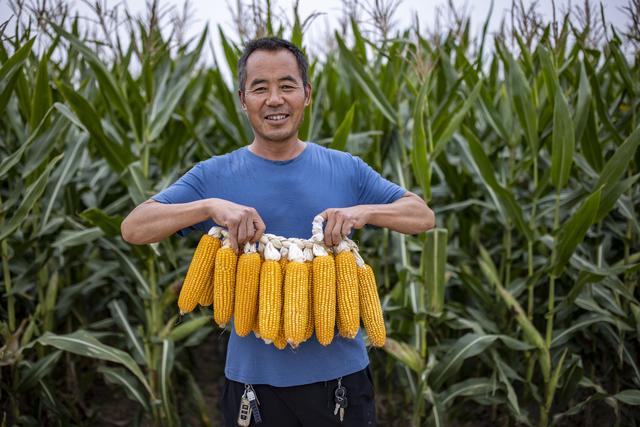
[(152, 221), (409, 215)]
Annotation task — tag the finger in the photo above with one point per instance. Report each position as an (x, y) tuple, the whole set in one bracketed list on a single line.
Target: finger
[(328, 229), (260, 229), (242, 231), (250, 230), (336, 234), (233, 236), (346, 229)]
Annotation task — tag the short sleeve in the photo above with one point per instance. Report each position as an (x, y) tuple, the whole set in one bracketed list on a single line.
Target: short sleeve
[(373, 189), (189, 188)]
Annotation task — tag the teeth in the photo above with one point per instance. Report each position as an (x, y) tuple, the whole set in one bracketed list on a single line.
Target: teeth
[(277, 117)]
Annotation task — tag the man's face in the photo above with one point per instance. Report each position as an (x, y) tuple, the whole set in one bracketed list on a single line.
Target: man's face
[(274, 96)]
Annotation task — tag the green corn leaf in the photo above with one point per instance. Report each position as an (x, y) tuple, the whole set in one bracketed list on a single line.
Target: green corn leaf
[(84, 343), (434, 260), (468, 388), (523, 104), (67, 168), (553, 382), (454, 122), (406, 354), (630, 397), (31, 197), (611, 194), (561, 336), (41, 101), (573, 231), (116, 155), (16, 60), (69, 238), (339, 141), (504, 199), (165, 366), (366, 82), (128, 383), (619, 162), (108, 84), (119, 314), (419, 154), (110, 225), (36, 372), (186, 329), (467, 346), (230, 52), (166, 107), (563, 142), (549, 73)]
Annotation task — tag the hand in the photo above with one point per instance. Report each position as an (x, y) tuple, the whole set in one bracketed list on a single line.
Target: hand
[(339, 222), (242, 222)]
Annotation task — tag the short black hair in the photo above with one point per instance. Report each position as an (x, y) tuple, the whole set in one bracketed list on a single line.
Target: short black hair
[(272, 44)]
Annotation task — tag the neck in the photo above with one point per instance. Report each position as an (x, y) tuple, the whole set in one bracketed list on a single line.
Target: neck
[(277, 151)]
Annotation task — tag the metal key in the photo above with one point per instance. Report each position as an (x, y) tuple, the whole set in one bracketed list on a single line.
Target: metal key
[(244, 415), (340, 397), (254, 402)]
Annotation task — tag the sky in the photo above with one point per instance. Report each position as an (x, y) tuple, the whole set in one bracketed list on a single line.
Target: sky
[(217, 12)]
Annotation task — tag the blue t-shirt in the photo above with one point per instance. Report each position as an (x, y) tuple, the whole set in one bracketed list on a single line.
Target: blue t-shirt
[(287, 195)]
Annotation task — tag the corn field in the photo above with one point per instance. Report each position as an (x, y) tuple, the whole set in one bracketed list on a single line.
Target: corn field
[(521, 308)]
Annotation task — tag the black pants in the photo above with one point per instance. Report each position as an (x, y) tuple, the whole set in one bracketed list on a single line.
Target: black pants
[(308, 405)]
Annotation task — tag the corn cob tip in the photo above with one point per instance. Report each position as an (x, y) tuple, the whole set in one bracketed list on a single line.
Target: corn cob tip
[(267, 341)]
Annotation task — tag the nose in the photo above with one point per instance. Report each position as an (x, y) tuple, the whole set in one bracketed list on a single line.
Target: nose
[(275, 97)]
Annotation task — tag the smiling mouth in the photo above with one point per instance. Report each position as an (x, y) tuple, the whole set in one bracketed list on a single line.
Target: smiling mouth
[(276, 118)]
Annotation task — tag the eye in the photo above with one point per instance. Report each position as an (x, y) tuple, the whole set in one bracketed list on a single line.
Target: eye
[(287, 88), (260, 89)]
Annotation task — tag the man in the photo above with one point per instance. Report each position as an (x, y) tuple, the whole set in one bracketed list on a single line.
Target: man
[(278, 183)]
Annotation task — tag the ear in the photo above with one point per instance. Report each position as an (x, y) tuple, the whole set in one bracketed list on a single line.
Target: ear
[(307, 95), (242, 102)]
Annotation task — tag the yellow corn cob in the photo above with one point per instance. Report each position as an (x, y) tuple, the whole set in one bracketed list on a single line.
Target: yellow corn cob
[(270, 300), (283, 267), (224, 280), (245, 309), (370, 307), (324, 298), (199, 277), (280, 342), (296, 302), (309, 329), (347, 291)]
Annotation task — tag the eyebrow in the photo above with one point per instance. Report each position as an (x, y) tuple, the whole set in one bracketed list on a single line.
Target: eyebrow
[(288, 78)]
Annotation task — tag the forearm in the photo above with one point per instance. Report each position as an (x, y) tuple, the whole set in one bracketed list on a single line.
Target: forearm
[(152, 221), (408, 215)]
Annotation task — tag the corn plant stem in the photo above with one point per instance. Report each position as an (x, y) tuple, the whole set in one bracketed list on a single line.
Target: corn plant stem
[(534, 205), (6, 273), (552, 279)]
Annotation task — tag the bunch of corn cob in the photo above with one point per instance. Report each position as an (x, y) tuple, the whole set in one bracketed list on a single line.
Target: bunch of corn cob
[(285, 289)]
